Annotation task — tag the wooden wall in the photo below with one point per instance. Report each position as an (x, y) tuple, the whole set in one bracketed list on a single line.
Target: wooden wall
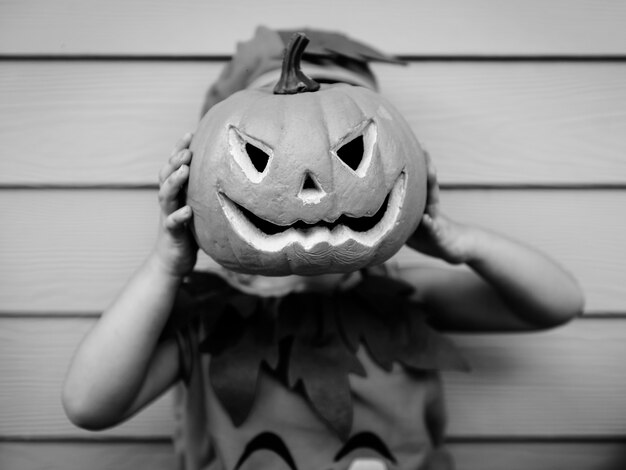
[(522, 105)]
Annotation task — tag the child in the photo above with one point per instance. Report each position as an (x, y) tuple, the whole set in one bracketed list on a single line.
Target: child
[(394, 414)]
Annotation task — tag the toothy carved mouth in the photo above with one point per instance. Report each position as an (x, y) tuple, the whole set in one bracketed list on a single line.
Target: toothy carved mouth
[(267, 236), (358, 224)]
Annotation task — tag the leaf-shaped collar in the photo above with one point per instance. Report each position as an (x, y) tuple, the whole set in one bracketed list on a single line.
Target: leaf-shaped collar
[(310, 340)]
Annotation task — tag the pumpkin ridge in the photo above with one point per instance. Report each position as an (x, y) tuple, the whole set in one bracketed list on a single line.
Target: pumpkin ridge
[(260, 107), (316, 131), (322, 113), (252, 109), (333, 96)]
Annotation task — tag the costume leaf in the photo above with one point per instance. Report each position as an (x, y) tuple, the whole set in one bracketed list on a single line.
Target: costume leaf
[(424, 348), (325, 43), (239, 347), (203, 296), (381, 315), (320, 363), (360, 326)]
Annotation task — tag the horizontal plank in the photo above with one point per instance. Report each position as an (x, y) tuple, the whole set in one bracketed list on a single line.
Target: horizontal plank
[(35, 357), (539, 456), (160, 456), (555, 383), (72, 250), (113, 123), (85, 455), (567, 382), (428, 27)]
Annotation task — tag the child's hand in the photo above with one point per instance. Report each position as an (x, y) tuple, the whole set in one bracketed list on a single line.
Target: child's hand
[(176, 249), (437, 235)]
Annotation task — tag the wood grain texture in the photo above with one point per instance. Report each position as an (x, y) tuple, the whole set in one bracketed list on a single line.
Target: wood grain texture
[(114, 123), (72, 250), (424, 27), (567, 382), (86, 456), (160, 456), (34, 358), (539, 456)]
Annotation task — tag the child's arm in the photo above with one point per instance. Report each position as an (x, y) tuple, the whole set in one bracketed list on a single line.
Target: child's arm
[(120, 366), (508, 287)]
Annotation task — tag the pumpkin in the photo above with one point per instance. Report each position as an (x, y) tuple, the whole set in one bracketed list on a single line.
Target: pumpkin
[(305, 178)]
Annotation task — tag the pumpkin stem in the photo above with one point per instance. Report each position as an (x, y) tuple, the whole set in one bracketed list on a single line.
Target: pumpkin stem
[(292, 79)]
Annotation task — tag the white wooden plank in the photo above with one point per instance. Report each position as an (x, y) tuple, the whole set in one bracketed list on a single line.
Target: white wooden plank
[(501, 123), (567, 382), (539, 456), (86, 456), (34, 357), (478, 27), (468, 456), (527, 379), (72, 250), (517, 123), (71, 122)]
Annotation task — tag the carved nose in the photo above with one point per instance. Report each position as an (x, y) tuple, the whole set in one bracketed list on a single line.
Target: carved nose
[(311, 192)]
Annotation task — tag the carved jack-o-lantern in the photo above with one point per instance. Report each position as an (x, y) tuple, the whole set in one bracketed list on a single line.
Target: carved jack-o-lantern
[(305, 178)]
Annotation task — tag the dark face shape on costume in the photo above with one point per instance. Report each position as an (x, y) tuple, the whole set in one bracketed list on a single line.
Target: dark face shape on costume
[(363, 450)]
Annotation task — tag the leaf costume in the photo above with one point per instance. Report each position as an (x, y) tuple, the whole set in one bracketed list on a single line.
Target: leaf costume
[(310, 367)]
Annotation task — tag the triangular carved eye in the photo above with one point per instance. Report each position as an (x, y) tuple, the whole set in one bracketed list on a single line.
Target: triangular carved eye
[(258, 157), (352, 153), (252, 155), (356, 149)]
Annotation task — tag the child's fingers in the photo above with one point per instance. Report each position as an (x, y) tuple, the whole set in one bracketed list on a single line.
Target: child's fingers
[(427, 221), (182, 143), (169, 190), (177, 219), (431, 172), (432, 186), (429, 224), (183, 157), (433, 196), (180, 155)]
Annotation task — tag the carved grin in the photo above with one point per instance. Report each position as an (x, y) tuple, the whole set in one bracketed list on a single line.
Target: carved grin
[(267, 236), (358, 224)]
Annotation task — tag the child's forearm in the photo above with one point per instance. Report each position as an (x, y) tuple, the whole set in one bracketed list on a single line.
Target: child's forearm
[(111, 364), (120, 366), (531, 285), (510, 287)]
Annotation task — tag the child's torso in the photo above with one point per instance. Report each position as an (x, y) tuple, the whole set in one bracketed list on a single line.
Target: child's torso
[(397, 418)]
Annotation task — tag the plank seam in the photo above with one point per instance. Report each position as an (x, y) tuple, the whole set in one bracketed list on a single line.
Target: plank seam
[(37, 315), (444, 186), (515, 58), (84, 439), (531, 439), (225, 57), (461, 439)]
